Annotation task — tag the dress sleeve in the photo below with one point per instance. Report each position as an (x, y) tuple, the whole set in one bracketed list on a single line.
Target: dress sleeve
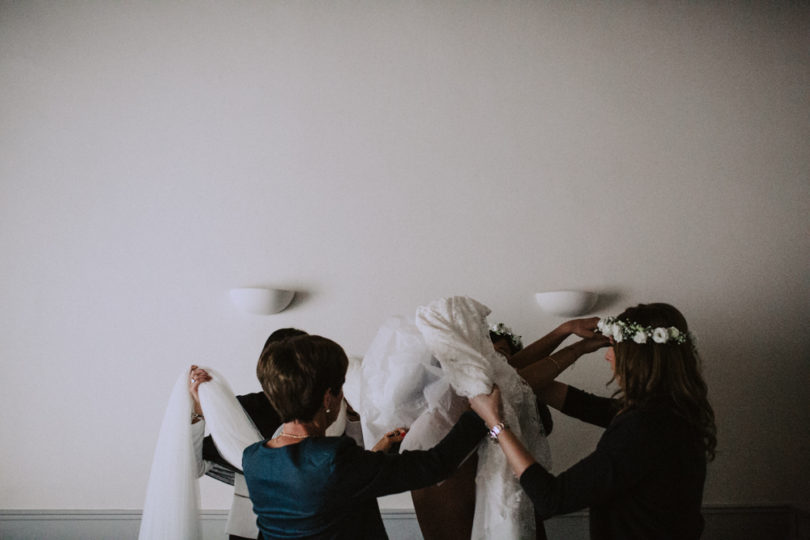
[(628, 451), (197, 432), (589, 408), (374, 474), (260, 412)]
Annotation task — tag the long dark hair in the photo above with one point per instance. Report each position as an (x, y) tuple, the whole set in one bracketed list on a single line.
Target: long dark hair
[(671, 371)]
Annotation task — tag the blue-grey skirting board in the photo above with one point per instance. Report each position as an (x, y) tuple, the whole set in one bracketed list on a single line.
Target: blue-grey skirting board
[(722, 523)]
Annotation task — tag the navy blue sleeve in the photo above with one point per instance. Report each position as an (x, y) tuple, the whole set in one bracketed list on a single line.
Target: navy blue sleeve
[(589, 408), (374, 474)]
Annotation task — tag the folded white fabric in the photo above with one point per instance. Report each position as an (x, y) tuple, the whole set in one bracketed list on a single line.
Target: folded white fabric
[(172, 506), (396, 381), (456, 332), (230, 426)]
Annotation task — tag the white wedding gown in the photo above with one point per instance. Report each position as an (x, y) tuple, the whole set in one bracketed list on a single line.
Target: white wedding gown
[(418, 373)]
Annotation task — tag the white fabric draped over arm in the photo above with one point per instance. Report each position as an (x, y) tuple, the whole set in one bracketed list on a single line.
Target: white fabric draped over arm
[(395, 383), (172, 506), (229, 424)]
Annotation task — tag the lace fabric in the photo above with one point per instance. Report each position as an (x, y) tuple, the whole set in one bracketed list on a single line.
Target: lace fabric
[(418, 372)]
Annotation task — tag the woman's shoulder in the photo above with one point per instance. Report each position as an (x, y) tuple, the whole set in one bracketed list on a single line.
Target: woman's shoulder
[(333, 443), (253, 455), (319, 451), (253, 448), (329, 448), (655, 420)]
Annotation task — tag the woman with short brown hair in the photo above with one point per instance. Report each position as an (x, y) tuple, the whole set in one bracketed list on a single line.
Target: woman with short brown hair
[(306, 485)]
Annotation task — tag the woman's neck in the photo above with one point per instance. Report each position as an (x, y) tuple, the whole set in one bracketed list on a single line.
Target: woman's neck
[(294, 433), (302, 430)]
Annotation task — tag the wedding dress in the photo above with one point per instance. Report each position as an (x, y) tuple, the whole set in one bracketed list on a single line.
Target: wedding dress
[(419, 372)]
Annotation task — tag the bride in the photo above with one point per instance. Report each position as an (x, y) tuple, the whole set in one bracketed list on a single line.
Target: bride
[(418, 373)]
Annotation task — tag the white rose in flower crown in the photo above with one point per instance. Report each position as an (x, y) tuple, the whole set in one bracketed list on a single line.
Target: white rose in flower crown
[(640, 337), (660, 335), (601, 326), (618, 335), (674, 332)]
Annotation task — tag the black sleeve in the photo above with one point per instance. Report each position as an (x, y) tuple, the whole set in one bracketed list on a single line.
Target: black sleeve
[(589, 408), (221, 473), (222, 469), (545, 417), (374, 474), (627, 453), (261, 413)]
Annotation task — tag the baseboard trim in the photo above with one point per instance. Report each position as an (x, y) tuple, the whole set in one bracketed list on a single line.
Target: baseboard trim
[(723, 522)]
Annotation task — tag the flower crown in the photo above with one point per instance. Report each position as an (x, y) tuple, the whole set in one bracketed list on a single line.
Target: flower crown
[(501, 330), (622, 330)]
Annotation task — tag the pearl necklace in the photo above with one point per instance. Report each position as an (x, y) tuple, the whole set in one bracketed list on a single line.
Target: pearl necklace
[(292, 436)]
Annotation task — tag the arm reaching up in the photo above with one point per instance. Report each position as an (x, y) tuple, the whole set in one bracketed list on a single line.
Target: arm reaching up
[(541, 374), (547, 344)]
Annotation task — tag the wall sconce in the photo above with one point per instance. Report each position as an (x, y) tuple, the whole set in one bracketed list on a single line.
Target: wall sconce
[(566, 303), (261, 301)]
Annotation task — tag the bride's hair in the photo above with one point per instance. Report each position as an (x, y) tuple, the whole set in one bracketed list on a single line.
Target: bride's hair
[(652, 371)]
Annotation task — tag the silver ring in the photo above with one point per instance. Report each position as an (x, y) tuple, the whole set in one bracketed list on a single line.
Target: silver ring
[(193, 380)]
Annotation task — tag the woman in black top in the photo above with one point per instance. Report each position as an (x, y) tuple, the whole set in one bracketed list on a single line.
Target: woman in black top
[(306, 485), (645, 478)]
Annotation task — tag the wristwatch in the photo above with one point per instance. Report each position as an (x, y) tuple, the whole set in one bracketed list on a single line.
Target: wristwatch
[(496, 430)]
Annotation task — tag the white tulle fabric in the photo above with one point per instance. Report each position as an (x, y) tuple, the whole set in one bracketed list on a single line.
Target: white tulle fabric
[(172, 506), (418, 373), (397, 382)]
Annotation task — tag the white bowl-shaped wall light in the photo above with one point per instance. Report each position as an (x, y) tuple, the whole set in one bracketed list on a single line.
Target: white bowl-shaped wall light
[(261, 301), (566, 303)]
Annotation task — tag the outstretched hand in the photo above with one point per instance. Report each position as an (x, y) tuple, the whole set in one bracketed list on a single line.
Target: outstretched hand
[(390, 439), (584, 328), (488, 406)]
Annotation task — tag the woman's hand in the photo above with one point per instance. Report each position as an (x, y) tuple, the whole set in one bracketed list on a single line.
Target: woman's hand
[(488, 406), (196, 376), (390, 439), (589, 345), (584, 328)]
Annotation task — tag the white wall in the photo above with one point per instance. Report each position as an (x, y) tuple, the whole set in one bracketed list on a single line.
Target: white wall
[(377, 155)]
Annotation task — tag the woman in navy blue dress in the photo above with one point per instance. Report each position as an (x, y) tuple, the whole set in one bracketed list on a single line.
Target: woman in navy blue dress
[(306, 485)]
